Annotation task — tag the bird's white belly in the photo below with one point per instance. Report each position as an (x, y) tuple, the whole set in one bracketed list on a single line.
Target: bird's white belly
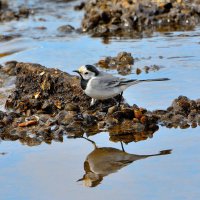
[(102, 94)]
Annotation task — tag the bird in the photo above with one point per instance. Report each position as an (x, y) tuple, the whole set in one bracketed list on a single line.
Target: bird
[(103, 161), (100, 85)]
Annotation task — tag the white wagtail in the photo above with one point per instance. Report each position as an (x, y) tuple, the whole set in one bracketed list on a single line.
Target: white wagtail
[(100, 85)]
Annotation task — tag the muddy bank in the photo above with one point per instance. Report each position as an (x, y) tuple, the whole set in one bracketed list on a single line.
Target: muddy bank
[(134, 18), (48, 104), (7, 13)]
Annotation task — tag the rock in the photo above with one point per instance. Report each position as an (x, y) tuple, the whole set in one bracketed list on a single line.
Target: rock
[(136, 18), (122, 63), (24, 12), (72, 107), (112, 109), (177, 118), (182, 113), (65, 117), (39, 88), (7, 14), (89, 120), (48, 104), (10, 68), (66, 29), (3, 4), (137, 113), (151, 68), (80, 6)]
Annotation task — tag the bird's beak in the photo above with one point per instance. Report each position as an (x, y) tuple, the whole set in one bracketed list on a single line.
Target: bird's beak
[(80, 180), (76, 71)]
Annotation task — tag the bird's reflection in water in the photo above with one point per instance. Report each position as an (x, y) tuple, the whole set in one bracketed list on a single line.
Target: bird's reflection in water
[(106, 160)]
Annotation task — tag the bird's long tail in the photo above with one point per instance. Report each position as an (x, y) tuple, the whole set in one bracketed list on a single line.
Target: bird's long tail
[(156, 79), (134, 157), (135, 81)]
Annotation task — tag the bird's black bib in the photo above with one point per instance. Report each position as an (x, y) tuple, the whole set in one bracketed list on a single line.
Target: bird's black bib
[(84, 83)]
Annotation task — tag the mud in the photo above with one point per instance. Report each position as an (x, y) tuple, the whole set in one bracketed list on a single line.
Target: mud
[(48, 104), (134, 18)]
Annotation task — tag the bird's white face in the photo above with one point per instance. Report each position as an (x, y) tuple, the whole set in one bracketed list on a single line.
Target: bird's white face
[(85, 73)]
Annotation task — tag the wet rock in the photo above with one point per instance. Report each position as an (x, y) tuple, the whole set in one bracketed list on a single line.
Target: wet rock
[(39, 88), (58, 130), (10, 67), (2, 115), (72, 107), (31, 141), (89, 120), (137, 113), (194, 125), (79, 6), (182, 113), (177, 118), (24, 12), (131, 134), (66, 29), (75, 129), (122, 63), (3, 4), (65, 117), (7, 14), (152, 68), (41, 28), (137, 18), (112, 109), (48, 104)]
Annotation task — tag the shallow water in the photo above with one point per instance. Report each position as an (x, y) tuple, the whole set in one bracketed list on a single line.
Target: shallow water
[(51, 171)]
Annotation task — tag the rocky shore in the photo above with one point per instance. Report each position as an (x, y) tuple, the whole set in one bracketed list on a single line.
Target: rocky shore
[(134, 18), (48, 104)]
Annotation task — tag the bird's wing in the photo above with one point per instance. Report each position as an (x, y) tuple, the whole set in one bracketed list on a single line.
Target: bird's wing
[(109, 81)]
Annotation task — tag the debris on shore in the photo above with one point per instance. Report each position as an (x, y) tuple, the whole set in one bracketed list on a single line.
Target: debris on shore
[(48, 104), (136, 18)]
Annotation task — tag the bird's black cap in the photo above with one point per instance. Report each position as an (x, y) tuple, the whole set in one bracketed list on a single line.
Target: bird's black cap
[(92, 69)]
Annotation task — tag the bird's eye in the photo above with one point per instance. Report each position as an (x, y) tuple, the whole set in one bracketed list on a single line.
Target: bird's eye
[(86, 73)]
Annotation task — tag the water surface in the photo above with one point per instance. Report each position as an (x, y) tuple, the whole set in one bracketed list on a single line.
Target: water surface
[(51, 171)]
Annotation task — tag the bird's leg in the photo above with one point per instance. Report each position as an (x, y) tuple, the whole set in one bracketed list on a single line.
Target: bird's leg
[(122, 146), (120, 99), (93, 102), (95, 146)]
